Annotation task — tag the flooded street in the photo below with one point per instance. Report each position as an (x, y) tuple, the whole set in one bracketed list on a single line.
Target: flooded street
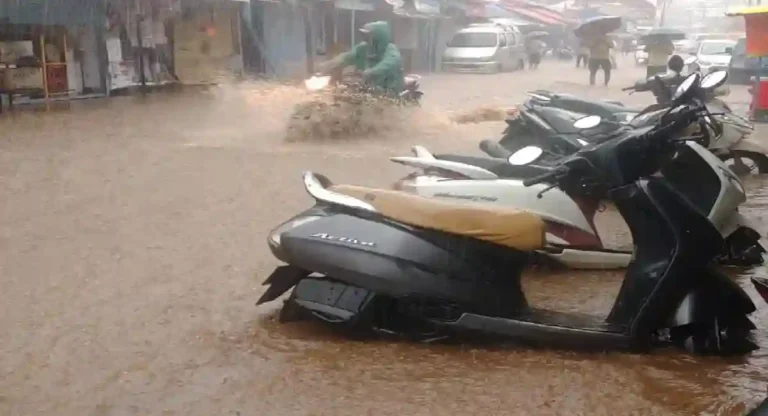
[(132, 251)]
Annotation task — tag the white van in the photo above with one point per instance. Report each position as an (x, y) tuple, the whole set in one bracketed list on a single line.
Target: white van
[(485, 47)]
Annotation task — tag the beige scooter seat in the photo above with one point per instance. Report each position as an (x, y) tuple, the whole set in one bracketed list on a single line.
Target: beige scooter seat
[(504, 226)]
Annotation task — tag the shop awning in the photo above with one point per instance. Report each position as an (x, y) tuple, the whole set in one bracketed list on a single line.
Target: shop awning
[(417, 9), (534, 15), (52, 12), (495, 11), (749, 11), (531, 11), (756, 21)]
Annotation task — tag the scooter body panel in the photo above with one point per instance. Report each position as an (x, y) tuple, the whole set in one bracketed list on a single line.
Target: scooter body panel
[(399, 261), (674, 243), (554, 205), (707, 183)]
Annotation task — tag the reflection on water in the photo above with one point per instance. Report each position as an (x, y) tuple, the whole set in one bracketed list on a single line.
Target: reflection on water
[(131, 231)]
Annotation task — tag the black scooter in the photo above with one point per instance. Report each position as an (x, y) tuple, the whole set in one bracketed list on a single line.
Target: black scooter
[(546, 119), (398, 263)]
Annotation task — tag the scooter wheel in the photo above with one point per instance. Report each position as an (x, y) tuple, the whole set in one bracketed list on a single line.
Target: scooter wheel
[(760, 162)]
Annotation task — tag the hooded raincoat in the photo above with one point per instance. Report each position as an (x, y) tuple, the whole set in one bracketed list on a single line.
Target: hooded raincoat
[(380, 62)]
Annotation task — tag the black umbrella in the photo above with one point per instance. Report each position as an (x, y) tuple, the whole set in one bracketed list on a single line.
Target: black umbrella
[(662, 33), (599, 25)]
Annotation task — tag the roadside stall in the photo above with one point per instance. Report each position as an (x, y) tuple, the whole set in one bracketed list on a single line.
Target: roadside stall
[(49, 49), (756, 22), (21, 71)]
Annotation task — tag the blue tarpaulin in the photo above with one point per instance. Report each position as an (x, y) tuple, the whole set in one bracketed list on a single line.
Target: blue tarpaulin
[(52, 12)]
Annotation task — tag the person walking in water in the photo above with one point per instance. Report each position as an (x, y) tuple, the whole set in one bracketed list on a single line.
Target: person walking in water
[(582, 53), (600, 57), (535, 49), (658, 56)]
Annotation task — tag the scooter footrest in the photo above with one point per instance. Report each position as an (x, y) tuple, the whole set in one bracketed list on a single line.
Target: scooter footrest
[(332, 301)]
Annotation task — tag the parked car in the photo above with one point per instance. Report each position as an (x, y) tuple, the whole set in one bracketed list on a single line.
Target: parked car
[(641, 56), (692, 44), (485, 48), (712, 55), (742, 68)]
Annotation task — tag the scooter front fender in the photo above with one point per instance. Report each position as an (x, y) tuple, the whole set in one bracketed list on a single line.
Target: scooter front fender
[(719, 295), (734, 222), (749, 145)]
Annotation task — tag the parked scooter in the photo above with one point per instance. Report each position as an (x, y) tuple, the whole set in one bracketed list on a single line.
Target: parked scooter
[(384, 260), (540, 124), (572, 239)]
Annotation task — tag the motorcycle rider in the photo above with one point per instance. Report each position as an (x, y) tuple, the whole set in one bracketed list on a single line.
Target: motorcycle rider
[(376, 58), (676, 64)]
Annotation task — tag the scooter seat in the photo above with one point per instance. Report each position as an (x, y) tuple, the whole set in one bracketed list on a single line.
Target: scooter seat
[(500, 167), (504, 226)]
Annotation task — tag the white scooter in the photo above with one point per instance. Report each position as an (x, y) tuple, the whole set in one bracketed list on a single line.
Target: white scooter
[(571, 235)]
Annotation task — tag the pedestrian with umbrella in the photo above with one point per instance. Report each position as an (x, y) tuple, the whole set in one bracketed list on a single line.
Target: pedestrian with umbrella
[(534, 46), (658, 44), (595, 34)]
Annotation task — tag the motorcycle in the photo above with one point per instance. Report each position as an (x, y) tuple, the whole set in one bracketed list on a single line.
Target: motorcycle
[(571, 236), (538, 122), (369, 259), (350, 109), (410, 94)]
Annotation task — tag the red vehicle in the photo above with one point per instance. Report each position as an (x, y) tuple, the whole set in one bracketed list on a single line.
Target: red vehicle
[(756, 19)]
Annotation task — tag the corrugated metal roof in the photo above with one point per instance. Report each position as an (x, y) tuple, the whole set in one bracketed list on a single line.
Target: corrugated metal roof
[(52, 12)]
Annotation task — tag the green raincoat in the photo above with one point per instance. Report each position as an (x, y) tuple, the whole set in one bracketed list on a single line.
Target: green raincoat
[(379, 62)]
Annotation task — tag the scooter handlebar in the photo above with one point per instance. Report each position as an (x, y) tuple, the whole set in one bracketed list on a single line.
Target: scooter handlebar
[(543, 177)]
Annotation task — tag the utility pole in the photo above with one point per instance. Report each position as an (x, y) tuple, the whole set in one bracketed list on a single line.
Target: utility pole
[(663, 15)]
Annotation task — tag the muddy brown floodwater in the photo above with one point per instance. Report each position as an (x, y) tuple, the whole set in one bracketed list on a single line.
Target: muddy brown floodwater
[(132, 250)]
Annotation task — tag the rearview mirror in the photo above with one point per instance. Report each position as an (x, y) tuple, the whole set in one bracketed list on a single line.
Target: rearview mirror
[(714, 79), (587, 122), (686, 86), (525, 155), (538, 96)]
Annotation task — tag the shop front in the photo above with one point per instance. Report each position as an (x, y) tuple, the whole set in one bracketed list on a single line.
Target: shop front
[(207, 38), (138, 42), (415, 32), (51, 49)]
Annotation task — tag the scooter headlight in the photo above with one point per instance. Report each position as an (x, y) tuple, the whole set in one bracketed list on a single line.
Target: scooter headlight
[(274, 236)]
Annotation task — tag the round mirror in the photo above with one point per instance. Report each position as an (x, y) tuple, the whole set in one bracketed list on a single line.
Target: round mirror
[(714, 80), (690, 60), (686, 86), (525, 155), (587, 122)]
